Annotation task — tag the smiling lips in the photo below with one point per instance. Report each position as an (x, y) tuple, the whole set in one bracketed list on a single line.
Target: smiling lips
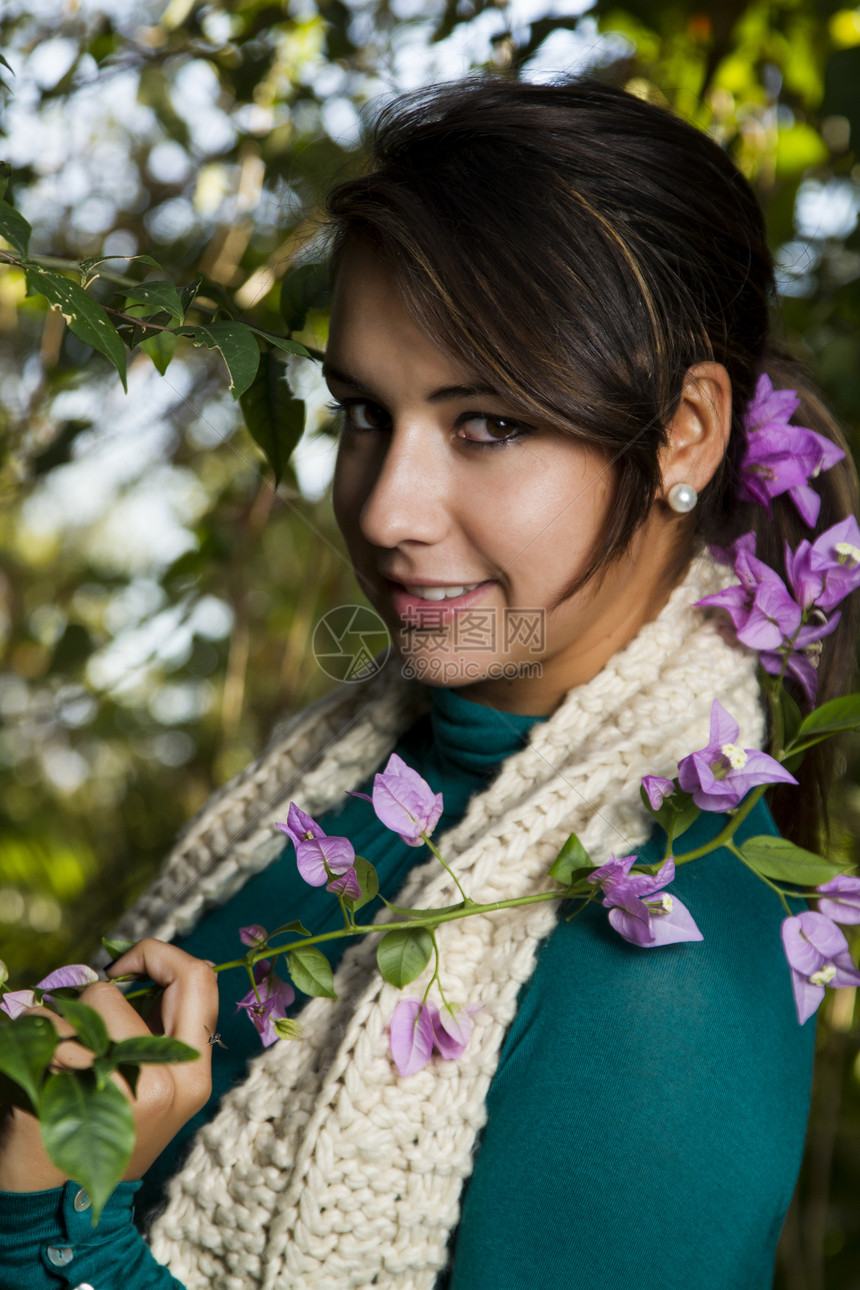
[(408, 599)]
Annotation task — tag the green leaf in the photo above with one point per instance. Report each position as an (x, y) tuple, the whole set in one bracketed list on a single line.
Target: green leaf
[(15, 229), (85, 316), (117, 948), (781, 860), (294, 926), (237, 347), (160, 347), (159, 1050), (5, 168), (157, 296), (131, 1075), (281, 342), (188, 293), (9, 68), (26, 1047), (686, 812), (88, 1132), (311, 971), (403, 954), (792, 717), (833, 718), (368, 881), (274, 418), (87, 266), (572, 855), (89, 1026)]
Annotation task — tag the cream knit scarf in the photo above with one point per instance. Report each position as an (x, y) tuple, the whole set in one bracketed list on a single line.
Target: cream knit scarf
[(324, 1169)]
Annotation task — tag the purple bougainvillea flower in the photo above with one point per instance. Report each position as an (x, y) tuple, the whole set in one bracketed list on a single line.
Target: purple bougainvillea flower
[(14, 1002), (275, 997), (317, 855), (633, 915), (253, 935), (840, 899), (411, 1035), (417, 1030), (657, 789), (74, 974), (780, 457), (824, 572), (818, 955), (404, 802), (452, 1029), (346, 884), (720, 774), (763, 611)]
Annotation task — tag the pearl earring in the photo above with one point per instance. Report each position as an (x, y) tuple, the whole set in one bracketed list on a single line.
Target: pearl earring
[(682, 498)]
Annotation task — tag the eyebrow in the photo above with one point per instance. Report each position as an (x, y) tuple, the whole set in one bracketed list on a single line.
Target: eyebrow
[(444, 394)]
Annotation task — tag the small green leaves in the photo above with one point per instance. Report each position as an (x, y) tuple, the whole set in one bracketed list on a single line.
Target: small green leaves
[(311, 971), (89, 1026), (780, 859), (152, 1049), (833, 718), (236, 346), (88, 1132), (15, 229), (275, 419), (157, 297), (26, 1047), (294, 926), (403, 954), (367, 880), (116, 948), (85, 316), (571, 857)]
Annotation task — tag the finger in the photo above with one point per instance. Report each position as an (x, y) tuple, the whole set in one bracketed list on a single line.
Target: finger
[(189, 1004)]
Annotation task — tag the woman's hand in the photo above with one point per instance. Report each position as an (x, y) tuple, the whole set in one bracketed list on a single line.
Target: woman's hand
[(167, 1096)]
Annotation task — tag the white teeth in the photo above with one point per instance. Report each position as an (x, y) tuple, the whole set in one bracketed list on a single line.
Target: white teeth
[(440, 593)]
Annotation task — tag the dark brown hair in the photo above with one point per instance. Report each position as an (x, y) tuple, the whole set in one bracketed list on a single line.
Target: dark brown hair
[(581, 249)]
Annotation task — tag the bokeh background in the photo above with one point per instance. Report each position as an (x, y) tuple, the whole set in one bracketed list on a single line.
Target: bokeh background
[(158, 596)]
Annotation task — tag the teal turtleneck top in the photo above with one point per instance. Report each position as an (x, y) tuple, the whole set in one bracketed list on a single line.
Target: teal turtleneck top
[(646, 1120)]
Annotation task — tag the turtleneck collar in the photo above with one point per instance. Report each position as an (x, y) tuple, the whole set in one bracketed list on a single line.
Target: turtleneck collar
[(471, 737)]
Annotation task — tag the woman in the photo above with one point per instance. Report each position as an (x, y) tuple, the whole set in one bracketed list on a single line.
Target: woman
[(550, 318)]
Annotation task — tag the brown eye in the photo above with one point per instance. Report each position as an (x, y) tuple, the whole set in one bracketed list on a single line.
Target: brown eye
[(363, 415), (487, 428)]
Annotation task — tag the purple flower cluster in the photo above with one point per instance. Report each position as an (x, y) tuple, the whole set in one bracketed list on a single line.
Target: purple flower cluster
[(816, 949), (15, 1002), (267, 1003), (404, 802), (787, 626), (782, 458), (322, 860), (639, 920), (417, 1029), (721, 774)]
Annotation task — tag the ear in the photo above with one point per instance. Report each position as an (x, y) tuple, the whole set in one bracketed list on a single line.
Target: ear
[(698, 434)]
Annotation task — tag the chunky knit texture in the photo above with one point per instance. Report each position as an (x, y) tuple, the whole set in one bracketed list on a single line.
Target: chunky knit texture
[(325, 1169)]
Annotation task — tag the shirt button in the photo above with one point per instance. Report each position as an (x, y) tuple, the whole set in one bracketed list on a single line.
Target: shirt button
[(85, 1285), (60, 1255), (81, 1201)]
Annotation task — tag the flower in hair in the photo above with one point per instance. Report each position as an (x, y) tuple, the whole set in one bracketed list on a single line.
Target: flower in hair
[(780, 457)]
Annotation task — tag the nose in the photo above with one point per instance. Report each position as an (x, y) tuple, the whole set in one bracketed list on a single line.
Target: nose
[(407, 497)]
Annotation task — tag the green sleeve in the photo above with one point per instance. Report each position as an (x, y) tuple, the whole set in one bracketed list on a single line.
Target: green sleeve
[(47, 1242), (646, 1122)]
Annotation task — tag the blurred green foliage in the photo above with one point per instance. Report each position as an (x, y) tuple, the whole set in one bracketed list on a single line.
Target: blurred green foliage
[(156, 613)]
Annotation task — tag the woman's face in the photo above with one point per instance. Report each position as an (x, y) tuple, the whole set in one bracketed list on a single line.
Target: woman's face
[(440, 487)]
